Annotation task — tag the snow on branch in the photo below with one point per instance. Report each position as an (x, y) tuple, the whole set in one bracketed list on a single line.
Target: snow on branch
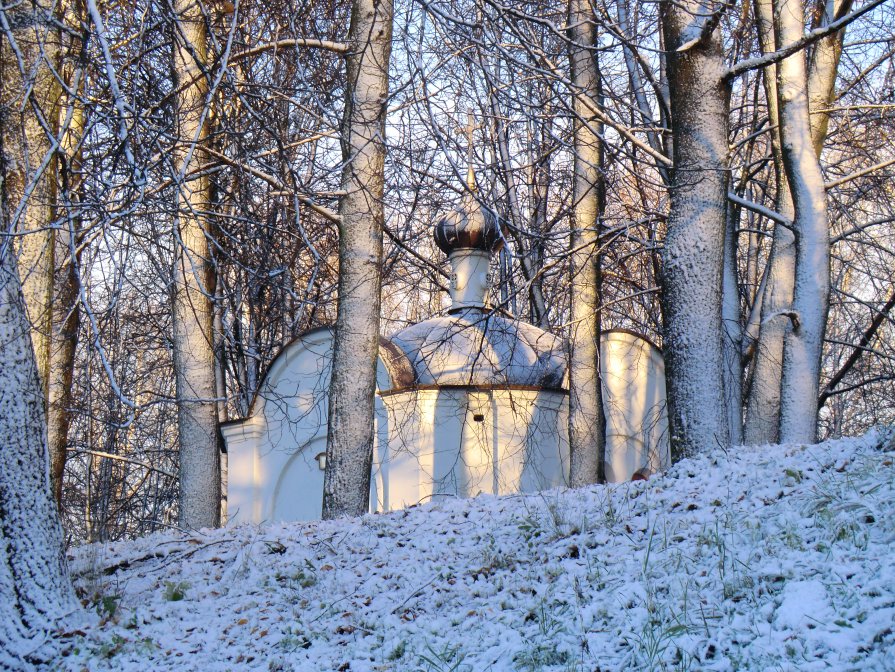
[(328, 45), (706, 30), (793, 316), (773, 215), (117, 96)]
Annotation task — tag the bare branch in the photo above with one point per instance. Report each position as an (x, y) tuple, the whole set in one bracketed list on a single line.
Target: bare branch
[(328, 45), (858, 351), (274, 182), (860, 173), (122, 458), (773, 215), (810, 38)]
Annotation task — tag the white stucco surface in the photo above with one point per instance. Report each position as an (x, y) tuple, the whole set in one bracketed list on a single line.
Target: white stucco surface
[(472, 426), (635, 406)]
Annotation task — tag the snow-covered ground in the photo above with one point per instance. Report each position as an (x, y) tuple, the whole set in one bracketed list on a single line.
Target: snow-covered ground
[(768, 558)]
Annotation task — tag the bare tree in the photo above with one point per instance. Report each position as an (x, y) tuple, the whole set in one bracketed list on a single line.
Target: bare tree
[(811, 286), (692, 257), (194, 280), (763, 401), (31, 55), (349, 445), (778, 314), (35, 591), (262, 181), (65, 304), (586, 421)]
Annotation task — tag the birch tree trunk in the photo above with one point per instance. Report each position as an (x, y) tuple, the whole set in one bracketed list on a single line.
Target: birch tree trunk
[(35, 591), (763, 403), (811, 290), (349, 445), (586, 421), (692, 257), (194, 280)]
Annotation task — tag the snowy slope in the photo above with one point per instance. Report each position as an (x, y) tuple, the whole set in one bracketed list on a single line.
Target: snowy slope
[(769, 558)]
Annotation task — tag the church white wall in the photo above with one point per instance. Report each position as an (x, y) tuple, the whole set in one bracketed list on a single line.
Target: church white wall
[(458, 442), (635, 406), (273, 473), (429, 443)]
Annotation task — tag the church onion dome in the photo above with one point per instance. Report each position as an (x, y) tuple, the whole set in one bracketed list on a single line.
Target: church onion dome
[(480, 348), (469, 227)]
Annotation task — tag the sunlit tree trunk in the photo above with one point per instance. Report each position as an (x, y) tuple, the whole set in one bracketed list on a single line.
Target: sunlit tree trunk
[(692, 257), (349, 446), (30, 93), (823, 66), (194, 281), (763, 403), (65, 312), (40, 192), (586, 422), (811, 289)]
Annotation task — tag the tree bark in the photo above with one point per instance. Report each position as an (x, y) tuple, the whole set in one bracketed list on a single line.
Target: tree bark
[(349, 445), (30, 182), (194, 282), (824, 65), (693, 252), (49, 283), (65, 310), (763, 403), (35, 591), (803, 346), (586, 421), (732, 341)]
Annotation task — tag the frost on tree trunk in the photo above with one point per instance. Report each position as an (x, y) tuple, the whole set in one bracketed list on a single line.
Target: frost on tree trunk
[(811, 288), (194, 279), (349, 446), (35, 591), (763, 404), (692, 257), (586, 422)]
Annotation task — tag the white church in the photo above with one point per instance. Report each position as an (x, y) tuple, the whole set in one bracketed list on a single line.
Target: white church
[(470, 401)]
